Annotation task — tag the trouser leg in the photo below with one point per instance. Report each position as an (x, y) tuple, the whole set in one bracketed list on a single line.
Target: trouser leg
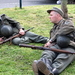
[(50, 55), (30, 37), (39, 67), (44, 64), (21, 40), (36, 38), (63, 60), (47, 62)]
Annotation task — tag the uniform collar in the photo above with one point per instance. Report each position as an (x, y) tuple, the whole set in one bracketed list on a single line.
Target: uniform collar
[(60, 22)]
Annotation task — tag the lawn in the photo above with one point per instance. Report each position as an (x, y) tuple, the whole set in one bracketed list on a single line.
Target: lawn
[(15, 60)]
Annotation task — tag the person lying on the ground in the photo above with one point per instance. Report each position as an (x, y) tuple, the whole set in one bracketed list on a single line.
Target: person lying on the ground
[(9, 27)]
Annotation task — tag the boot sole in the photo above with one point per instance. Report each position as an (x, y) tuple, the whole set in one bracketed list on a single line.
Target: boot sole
[(35, 69), (42, 67)]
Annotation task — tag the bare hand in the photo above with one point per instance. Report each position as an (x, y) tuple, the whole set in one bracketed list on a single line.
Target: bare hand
[(47, 44), (22, 32), (1, 39)]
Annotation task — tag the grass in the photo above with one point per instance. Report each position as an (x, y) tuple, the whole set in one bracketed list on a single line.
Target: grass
[(16, 60)]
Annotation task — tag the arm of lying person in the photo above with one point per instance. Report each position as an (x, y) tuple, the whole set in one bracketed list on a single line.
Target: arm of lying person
[(1, 39), (22, 32)]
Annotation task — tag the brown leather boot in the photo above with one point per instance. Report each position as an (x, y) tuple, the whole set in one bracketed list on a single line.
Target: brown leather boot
[(34, 67), (43, 68)]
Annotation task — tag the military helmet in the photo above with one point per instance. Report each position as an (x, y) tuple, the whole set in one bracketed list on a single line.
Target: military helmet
[(6, 30), (63, 41)]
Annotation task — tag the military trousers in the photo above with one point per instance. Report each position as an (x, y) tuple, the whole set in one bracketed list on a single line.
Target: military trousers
[(30, 37), (59, 60)]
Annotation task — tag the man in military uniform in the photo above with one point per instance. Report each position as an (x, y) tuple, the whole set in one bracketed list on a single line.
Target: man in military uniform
[(10, 27), (53, 63)]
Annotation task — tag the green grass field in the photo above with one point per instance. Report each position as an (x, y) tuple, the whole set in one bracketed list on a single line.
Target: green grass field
[(15, 60)]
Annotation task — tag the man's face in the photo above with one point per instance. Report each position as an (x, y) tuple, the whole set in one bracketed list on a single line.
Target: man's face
[(53, 17)]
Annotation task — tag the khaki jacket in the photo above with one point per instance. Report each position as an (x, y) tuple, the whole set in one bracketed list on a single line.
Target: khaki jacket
[(64, 27)]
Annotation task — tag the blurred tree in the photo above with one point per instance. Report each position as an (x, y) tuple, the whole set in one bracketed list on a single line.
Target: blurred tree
[(70, 1), (64, 8)]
